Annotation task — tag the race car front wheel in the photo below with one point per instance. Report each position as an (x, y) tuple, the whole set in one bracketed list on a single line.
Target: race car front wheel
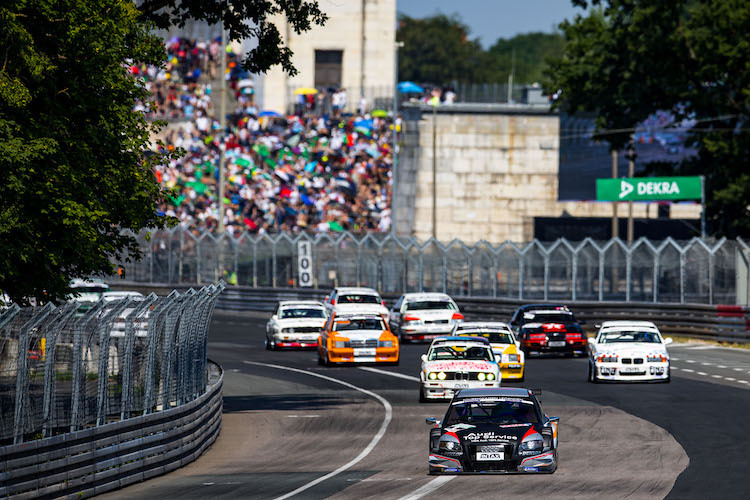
[(592, 375), (422, 399)]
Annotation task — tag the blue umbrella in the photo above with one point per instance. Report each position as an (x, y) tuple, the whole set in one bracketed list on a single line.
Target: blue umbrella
[(366, 124), (409, 88), (270, 113)]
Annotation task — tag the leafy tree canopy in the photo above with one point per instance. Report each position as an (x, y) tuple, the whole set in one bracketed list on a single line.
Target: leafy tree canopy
[(436, 49), (626, 59), (72, 169), (439, 50)]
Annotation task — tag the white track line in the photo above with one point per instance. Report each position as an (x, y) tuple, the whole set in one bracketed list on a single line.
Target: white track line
[(702, 373), (392, 374), (427, 488), (687, 370), (363, 453)]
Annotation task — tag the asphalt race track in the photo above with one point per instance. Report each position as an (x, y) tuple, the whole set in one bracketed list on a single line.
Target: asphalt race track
[(293, 427)]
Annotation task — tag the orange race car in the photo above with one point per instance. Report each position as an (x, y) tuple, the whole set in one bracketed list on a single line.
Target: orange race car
[(357, 338)]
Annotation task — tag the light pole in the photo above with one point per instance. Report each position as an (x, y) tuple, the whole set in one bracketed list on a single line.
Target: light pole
[(222, 127), (394, 155)]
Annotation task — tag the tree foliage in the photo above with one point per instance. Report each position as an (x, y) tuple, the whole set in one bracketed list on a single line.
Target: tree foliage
[(436, 49), (72, 170), (243, 19), (439, 50), (626, 59)]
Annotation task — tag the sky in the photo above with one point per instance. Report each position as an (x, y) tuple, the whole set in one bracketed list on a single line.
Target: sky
[(489, 20)]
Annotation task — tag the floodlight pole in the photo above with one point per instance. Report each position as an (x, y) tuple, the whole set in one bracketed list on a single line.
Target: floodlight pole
[(703, 206), (615, 222), (394, 153), (222, 132)]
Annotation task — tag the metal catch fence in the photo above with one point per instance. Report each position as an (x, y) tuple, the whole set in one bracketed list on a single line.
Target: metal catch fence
[(700, 271), (66, 368)]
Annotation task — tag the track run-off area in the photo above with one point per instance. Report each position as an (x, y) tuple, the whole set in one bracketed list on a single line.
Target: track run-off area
[(293, 429)]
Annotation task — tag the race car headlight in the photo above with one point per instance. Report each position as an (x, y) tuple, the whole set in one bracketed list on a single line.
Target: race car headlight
[(656, 358), (287, 330), (385, 343), (606, 358), (533, 444), (432, 376), (490, 376), (339, 344), (441, 376), (481, 376), (449, 446)]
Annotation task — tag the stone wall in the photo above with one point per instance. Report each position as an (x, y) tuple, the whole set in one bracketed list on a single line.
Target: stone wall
[(497, 169)]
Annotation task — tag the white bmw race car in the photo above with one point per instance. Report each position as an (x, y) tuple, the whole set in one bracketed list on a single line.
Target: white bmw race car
[(295, 324), (351, 300), (628, 351), (454, 363)]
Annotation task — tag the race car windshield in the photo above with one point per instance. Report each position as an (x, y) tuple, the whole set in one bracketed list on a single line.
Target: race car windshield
[(634, 336), (496, 337), (543, 317), (358, 324), (301, 312), (358, 299), (453, 353), (427, 305), (501, 411)]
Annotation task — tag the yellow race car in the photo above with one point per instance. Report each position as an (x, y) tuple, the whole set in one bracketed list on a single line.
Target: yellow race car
[(506, 348)]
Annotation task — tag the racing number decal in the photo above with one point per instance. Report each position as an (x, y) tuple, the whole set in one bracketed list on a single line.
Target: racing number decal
[(304, 263)]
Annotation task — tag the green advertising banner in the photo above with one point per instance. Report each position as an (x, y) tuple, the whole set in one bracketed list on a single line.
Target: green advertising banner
[(649, 189)]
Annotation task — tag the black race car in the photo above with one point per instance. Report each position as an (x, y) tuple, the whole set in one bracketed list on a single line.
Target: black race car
[(549, 328), (493, 430)]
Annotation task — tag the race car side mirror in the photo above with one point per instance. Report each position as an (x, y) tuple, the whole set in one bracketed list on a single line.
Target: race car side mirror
[(431, 421), (274, 317), (518, 344), (424, 357), (591, 340), (668, 340)]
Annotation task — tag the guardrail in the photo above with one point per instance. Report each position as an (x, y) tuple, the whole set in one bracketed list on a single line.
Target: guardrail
[(727, 323), (100, 459)]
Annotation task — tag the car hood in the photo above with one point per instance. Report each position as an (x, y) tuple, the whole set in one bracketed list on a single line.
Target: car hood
[(360, 308), (292, 322), (490, 432), (635, 348), (360, 334), (431, 314), (454, 366)]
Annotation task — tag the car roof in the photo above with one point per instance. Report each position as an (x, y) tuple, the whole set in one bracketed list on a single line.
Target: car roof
[(493, 391), (425, 296), (286, 303), (357, 315), (459, 340), (542, 307), (628, 324), (354, 289), (467, 325)]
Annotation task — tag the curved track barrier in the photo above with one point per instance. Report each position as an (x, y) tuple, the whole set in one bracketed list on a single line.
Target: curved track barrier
[(728, 323), (92, 461), (97, 395)]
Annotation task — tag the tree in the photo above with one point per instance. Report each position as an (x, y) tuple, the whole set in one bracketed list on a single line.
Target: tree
[(437, 50), (72, 169), (531, 50), (629, 58)]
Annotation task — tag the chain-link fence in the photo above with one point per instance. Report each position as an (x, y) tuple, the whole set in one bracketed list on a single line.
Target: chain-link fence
[(694, 271), (65, 368)]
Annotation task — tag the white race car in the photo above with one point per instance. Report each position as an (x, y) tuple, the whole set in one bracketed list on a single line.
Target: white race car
[(454, 363), (424, 316), (506, 348), (295, 323), (628, 351), (351, 300)]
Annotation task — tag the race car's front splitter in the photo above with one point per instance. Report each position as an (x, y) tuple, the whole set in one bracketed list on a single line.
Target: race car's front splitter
[(542, 463)]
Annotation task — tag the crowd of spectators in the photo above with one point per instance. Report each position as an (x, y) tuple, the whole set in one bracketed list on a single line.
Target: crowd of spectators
[(320, 170)]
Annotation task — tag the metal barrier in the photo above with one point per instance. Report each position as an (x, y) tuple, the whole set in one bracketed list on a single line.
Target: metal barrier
[(63, 369), (668, 271), (100, 459), (728, 323)]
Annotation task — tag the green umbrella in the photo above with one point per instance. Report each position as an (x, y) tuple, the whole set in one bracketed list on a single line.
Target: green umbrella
[(379, 113), (335, 226)]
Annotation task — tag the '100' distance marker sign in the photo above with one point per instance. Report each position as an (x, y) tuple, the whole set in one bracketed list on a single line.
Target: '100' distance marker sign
[(649, 189)]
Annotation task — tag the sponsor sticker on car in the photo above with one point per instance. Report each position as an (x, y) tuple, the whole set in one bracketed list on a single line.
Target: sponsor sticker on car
[(364, 352), (490, 456), (556, 343)]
